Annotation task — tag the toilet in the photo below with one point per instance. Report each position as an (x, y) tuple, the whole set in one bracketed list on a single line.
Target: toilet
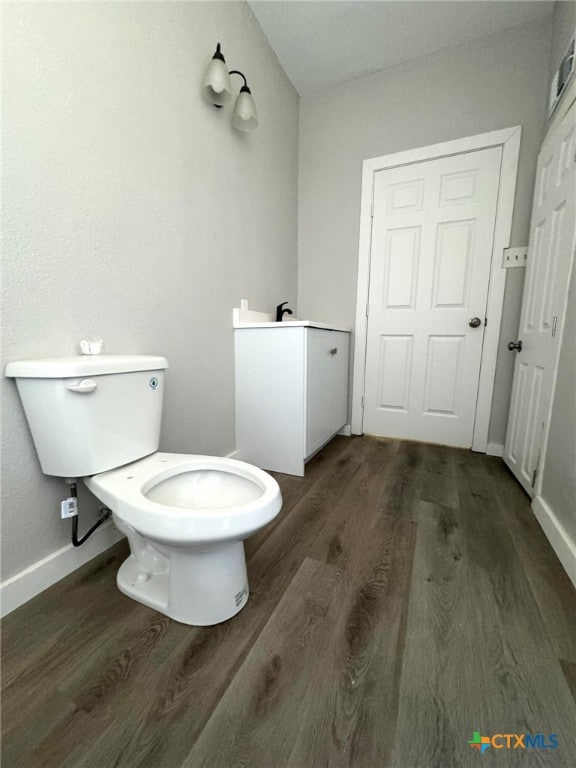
[(185, 516)]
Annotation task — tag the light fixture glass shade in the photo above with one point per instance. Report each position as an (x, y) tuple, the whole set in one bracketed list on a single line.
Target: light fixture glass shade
[(244, 117), (217, 86)]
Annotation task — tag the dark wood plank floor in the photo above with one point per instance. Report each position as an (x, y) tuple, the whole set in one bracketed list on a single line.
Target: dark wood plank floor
[(404, 598)]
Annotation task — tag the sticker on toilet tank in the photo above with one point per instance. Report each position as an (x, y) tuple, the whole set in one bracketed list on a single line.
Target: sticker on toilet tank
[(239, 598)]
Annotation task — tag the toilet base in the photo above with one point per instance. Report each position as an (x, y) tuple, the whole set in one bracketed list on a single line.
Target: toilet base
[(201, 586)]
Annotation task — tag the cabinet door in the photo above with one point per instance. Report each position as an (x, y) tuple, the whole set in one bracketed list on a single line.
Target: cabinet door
[(270, 408), (326, 385)]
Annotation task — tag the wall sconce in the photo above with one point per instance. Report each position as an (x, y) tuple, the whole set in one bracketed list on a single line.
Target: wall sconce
[(217, 90)]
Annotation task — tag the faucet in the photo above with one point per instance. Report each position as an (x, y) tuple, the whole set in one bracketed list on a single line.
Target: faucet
[(280, 312)]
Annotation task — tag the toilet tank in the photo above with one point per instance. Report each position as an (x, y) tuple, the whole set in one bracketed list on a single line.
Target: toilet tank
[(88, 414)]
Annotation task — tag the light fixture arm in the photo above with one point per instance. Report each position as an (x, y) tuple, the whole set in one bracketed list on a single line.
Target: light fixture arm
[(218, 54), (244, 88)]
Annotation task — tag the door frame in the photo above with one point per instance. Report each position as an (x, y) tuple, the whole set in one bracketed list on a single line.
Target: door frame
[(509, 140)]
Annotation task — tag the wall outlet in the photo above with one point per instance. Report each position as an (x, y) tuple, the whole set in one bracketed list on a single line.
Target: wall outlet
[(69, 507), (515, 257)]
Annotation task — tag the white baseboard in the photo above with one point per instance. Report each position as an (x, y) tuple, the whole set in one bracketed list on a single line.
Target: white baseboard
[(346, 430), (561, 543), (26, 584), (495, 449)]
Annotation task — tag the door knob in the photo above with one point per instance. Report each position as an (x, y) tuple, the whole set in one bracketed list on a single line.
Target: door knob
[(512, 345), (474, 322)]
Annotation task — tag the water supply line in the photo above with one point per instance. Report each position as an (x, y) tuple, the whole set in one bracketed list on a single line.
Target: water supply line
[(104, 512)]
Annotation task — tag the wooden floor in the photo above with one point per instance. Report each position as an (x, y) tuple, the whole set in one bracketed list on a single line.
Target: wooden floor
[(404, 598)]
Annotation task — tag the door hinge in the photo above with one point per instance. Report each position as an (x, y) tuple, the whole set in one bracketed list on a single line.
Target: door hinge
[(485, 322), (362, 402), (534, 476), (554, 324), (372, 209), (367, 309)]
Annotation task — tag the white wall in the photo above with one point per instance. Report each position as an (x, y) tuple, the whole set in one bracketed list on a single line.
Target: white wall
[(134, 212), (497, 82)]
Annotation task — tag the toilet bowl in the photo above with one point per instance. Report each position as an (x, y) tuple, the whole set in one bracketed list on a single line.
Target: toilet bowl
[(186, 518)]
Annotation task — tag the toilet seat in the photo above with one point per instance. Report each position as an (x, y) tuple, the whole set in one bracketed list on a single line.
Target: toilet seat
[(210, 517)]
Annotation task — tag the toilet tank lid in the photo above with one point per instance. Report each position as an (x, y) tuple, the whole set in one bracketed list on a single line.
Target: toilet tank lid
[(83, 365)]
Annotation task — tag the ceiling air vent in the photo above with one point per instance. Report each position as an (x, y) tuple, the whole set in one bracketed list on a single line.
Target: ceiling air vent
[(561, 77)]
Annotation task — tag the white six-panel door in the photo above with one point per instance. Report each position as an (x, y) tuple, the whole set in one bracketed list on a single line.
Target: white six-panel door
[(550, 255), (432, 239)]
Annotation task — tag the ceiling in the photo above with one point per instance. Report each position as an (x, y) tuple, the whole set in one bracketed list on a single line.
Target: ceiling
[(324, 42)]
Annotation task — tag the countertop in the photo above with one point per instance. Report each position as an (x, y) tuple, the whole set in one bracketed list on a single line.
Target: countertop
[(293, 324)]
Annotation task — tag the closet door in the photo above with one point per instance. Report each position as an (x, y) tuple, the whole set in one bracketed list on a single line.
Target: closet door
[(550, 256)]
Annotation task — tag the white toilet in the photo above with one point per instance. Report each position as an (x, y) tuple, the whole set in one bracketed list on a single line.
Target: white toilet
[(185, 516)]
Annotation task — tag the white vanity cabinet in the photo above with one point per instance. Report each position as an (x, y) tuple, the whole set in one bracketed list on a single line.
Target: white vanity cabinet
[(291, 392)]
